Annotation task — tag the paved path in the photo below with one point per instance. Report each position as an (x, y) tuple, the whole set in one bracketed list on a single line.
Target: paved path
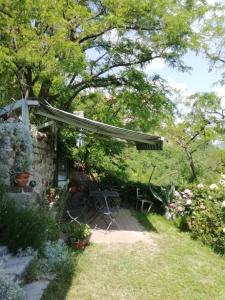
[(129, 231)]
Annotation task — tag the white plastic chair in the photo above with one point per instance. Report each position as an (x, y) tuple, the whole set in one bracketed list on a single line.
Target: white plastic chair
[(142, 201)]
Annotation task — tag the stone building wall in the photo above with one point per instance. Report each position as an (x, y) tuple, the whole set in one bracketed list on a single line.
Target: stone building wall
[(41, 153), (43, 167)]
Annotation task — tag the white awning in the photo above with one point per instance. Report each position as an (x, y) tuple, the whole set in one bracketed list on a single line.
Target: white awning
[(143, 141)]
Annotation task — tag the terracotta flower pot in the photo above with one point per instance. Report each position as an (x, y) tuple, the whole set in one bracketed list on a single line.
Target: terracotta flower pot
[(73, 189), (80, 244), (22, 179)]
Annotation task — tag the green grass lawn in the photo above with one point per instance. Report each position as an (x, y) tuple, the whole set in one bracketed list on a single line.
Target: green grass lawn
[(172, 267)]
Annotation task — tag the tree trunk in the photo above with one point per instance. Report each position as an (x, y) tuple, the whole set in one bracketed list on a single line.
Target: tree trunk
[(191, 163)]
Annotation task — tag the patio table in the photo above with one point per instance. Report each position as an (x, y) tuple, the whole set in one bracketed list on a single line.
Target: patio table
[(104, 206)]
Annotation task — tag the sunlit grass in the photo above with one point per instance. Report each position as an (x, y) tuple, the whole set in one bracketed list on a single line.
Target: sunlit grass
[(176, 267)]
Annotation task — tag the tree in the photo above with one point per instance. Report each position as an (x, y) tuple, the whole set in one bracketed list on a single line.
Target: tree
[(59, 50), (197, 129), (212, 39)]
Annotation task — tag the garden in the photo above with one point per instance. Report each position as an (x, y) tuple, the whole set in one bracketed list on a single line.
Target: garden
[(116, 96)]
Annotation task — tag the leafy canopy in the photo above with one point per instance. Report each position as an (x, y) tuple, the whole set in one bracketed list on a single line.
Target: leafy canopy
[(58, 49)]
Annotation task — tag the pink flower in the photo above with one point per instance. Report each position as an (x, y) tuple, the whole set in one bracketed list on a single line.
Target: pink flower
[(202, 206), (222, 176), (185, 196), (172, 205), (188, 202), (200, 186), (180, 208), (177, 195), (188, 192), (213, 187), (222, 182)]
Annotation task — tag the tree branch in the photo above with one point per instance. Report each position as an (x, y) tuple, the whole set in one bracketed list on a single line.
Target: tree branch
[(94, 36), (126, 64), (5, 13)]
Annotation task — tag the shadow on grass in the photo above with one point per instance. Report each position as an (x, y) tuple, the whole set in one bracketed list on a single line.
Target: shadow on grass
[(59, 287), (144, 221)]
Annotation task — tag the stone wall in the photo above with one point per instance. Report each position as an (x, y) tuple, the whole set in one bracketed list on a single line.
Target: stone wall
[(43, 167), (17, 143)]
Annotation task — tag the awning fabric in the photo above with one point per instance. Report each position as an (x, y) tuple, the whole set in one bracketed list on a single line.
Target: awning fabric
[(143, 141)]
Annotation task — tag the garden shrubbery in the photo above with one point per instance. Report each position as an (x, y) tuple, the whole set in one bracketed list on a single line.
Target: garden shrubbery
[(25, 227), (52, 258), (201, 209), (9, 289)]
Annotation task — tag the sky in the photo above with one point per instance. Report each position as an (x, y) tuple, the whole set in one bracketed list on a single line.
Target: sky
[(199, 79)]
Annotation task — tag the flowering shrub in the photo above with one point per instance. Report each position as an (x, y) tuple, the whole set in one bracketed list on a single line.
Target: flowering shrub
[(10, 290), (201, 210)]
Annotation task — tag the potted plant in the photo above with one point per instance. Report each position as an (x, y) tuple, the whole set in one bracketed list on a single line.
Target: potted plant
[(23, 157), (73, 186), (22, 170), (78, 236), (16, 149)]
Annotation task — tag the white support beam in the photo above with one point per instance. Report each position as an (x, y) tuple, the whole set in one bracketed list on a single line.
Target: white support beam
[(46, 124), (25, 114), (33, 102), (11, 107), (16, 105)]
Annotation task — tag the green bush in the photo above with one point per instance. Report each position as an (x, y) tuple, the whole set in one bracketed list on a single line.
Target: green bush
[(52, 258), (25, 227), (76, 232)]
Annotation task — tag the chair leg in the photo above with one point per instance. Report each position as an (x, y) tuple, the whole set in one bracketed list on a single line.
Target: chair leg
[(75, 220), (114, 220), (110, 223), (142, 206), (72, 218), (149, 208)]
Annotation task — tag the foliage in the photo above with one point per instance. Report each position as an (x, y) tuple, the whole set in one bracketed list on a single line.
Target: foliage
[(196, 129), (76, 232), (58, 287), (212, 39), (93, 44), (25, 227), (164, 194), (202, 211), (9, 289), (20, 143), (53, 256)]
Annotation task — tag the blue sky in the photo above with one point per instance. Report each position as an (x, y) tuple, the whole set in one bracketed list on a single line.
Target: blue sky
[(198, 79)]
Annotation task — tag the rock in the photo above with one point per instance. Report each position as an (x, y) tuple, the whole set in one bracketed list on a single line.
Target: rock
[(35, 290), (17, 266), (3, 250)]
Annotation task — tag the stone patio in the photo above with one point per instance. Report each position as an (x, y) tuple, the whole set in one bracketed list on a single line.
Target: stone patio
[(129, 231)]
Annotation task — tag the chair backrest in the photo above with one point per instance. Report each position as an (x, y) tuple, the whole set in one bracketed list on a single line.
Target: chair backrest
[(138, 193), (99, 199)]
